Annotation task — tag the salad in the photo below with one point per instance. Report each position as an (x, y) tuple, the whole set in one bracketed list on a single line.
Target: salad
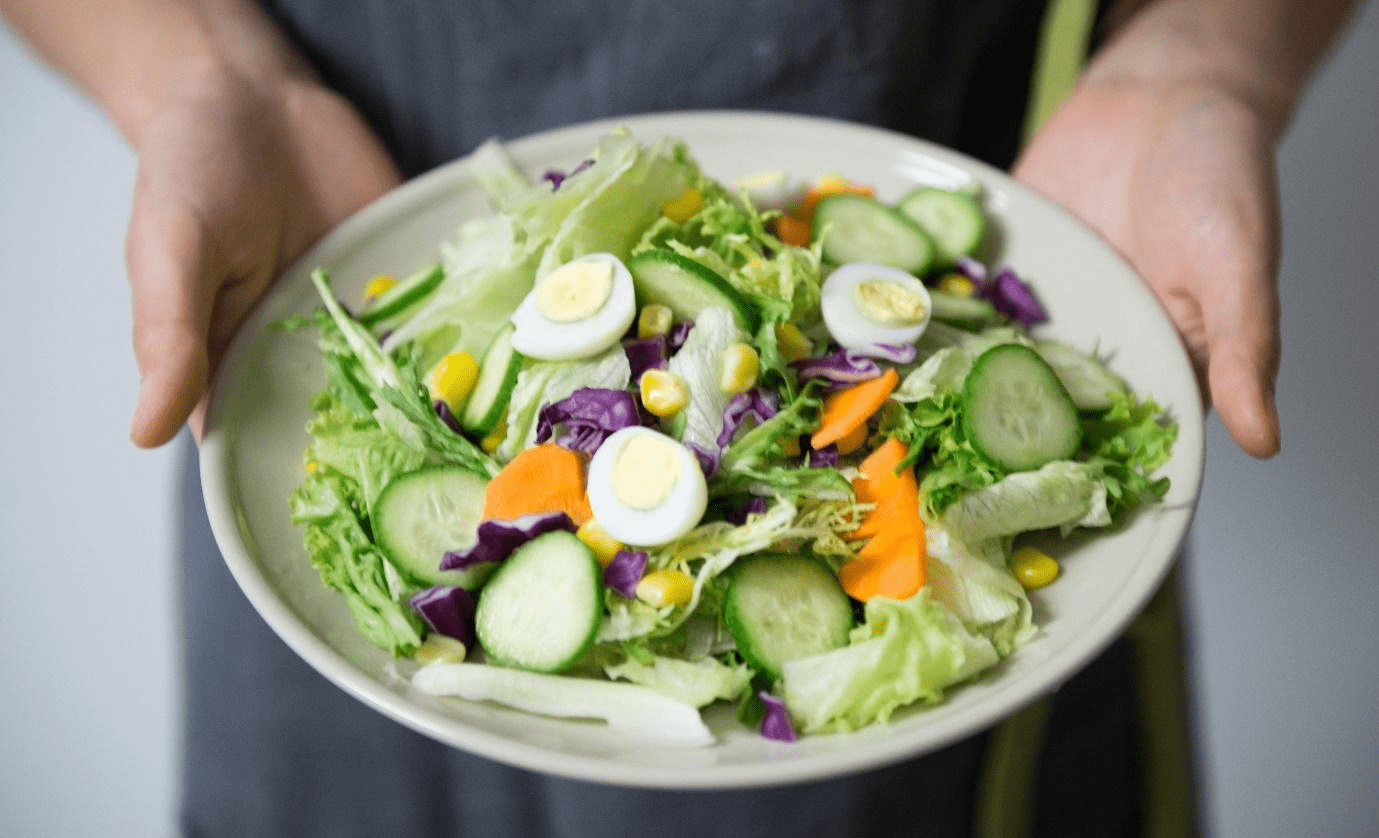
[(642, 442)]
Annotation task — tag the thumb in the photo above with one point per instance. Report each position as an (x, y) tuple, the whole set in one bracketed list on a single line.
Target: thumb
[(166, 251)]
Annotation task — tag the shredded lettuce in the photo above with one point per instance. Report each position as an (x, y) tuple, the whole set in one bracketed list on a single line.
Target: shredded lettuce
[(697, 682), (698, 362)]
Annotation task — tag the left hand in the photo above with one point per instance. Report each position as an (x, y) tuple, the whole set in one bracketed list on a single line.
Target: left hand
[(1179, 177)]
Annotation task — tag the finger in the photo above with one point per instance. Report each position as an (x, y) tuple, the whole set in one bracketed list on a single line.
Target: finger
[(1242, 335), (168, 262)]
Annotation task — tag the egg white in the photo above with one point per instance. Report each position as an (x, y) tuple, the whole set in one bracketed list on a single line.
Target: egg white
[(537, 336), (679, 513), (852, 328)]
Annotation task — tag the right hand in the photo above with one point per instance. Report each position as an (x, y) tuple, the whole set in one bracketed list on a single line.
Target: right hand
[(235, 181)]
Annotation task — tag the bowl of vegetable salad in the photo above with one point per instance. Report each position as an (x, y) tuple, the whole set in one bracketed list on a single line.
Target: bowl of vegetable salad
[(704, 450)]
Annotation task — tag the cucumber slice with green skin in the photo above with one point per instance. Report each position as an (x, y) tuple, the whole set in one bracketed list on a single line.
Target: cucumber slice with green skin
[(1090, 383), (398, 302), (965, 312), (855, 228), (1016, 411), (952, 219), (423, 514), (780, 608), (687, 287), (498, 370), (541, 609)]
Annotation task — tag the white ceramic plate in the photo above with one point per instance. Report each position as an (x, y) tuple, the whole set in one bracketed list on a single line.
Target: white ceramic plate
[(251, 456)]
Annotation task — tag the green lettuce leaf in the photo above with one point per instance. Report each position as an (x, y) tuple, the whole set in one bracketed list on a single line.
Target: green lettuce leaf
[(906, 651), (974, 583), (545, 382), (695, 682)]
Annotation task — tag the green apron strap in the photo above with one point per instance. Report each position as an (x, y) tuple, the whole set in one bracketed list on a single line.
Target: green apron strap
[(1064, 39), (1010, 774)]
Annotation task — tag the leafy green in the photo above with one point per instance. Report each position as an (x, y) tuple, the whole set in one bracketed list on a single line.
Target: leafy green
[(698, 682), (758, 462), (906, 651)]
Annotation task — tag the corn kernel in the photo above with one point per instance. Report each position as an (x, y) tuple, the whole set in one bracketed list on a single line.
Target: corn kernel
[(956, 283), (453, 378), (440, 647), (596, 538), (684, 206), (853, 440), (740, 368), (666, 586), (1033, 567), (379, 285), (663, 392), (312, 466), (654, 320), (496, 436), (791, 342)]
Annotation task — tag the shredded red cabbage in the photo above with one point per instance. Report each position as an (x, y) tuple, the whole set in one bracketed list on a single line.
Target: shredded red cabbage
[(738, 516), (849, 366), (646, 354), (589, 416), (624, 572), (678, 333), (758, 403), (447, 415), (826, 457), (448, 610), (972, 269), (1014, 298), (557, 177), (776, 724), (498, 539), (708, 460)]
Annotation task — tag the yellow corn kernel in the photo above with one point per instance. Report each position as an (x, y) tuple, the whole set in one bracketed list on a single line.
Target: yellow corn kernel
[(740, 368), (379, 285), (496, 436), (853, 440), (684, 206), (596, 538), (654, 320), (791, 342), (663, 392), (666, 586), (312, 466), (1033, 567), (956, 283), (453, 378), (440, 647), (832, 183)]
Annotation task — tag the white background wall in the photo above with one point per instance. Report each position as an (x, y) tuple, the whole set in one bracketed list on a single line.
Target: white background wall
[(1283, 577)]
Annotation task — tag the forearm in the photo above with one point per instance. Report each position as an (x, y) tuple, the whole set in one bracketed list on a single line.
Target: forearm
[(1263, 51), (130, 55)]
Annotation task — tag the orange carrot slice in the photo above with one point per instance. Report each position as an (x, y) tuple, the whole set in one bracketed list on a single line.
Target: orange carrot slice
[(846, 410), (546, 478), (794, 230)]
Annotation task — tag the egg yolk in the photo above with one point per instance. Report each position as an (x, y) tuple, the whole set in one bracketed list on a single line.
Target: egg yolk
[(888, 303), (575, 291), (647, 469)]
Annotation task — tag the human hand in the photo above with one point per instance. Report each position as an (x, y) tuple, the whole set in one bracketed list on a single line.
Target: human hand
[(1180, 178), (235, 180)]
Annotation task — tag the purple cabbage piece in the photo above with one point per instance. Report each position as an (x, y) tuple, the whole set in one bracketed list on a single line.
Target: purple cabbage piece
[(1014, 298), (845, 366), (738, 516), (708, 460), (678, 333), (972, 269), (758, 403), (590, 415), (776, 724), (904, 353), (646, 354), (447, 415), (624, 572), (498, 539), (557, 177), (448, 610)]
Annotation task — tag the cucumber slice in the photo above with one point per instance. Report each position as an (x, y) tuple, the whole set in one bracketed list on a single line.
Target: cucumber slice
[(404, 298), (1016, 411), (423, 514), (971, 313), (855, 228), (952, 219), (541, 610), (686, 287), (780, 608), (1090, 383), (498, 370)]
